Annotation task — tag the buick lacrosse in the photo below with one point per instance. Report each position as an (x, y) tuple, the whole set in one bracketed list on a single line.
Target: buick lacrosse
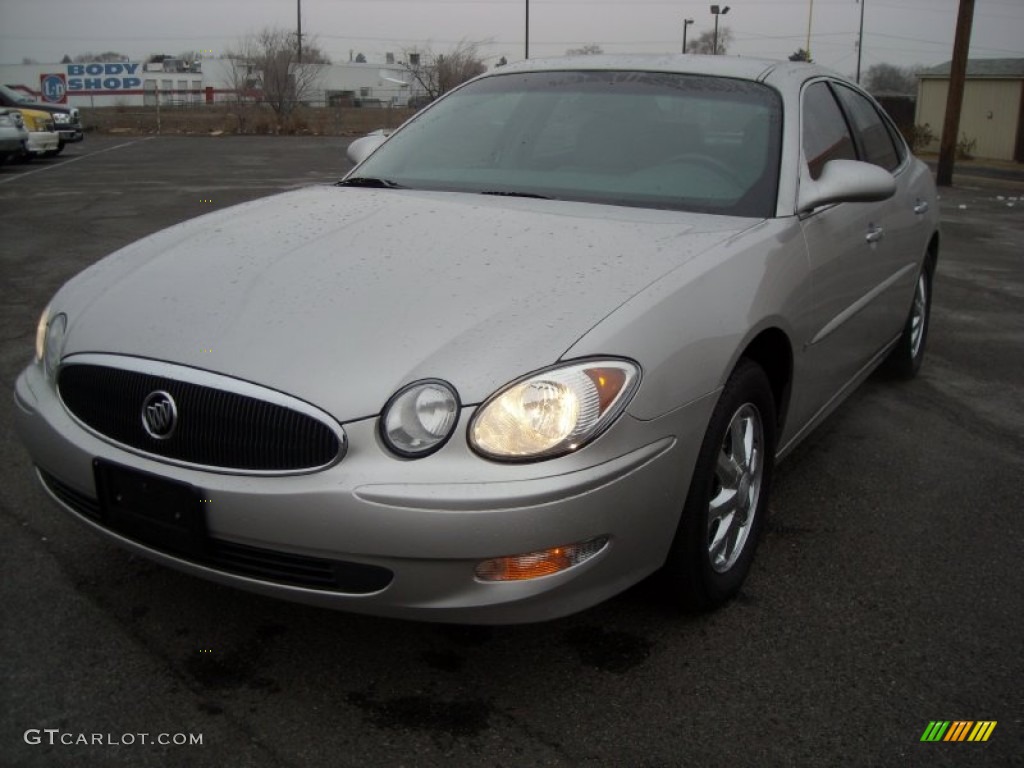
[(548, 338)]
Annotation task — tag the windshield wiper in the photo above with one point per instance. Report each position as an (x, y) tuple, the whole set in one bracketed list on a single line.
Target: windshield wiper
[(369, 181), (535, 196)]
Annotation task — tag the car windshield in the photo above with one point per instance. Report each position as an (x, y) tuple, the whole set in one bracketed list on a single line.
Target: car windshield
[(649, 139), (15, 96)]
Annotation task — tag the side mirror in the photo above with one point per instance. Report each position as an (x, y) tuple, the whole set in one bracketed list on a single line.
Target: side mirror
[(362, 148), (846, 181)]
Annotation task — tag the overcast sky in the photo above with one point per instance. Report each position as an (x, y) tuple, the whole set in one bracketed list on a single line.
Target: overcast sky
[(903, 32)]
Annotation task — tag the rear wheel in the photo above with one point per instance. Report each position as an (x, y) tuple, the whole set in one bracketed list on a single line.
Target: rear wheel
[(905, 359), (725, 507)]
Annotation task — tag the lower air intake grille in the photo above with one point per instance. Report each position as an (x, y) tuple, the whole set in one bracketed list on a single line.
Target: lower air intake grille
[(254, 562)]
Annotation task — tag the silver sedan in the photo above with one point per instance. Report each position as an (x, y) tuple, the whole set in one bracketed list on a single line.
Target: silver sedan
[(545, 340)]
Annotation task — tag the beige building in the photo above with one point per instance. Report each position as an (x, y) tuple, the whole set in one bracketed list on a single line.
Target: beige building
[(992, 115)]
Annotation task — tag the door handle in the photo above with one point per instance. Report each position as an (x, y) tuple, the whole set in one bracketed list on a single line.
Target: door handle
[(921, 207), (874, 234)]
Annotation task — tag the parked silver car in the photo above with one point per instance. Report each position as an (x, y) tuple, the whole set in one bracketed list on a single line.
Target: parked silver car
[(13, 135), (549, 337)]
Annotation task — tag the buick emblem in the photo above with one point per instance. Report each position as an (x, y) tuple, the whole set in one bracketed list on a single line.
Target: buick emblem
[(159, 415)]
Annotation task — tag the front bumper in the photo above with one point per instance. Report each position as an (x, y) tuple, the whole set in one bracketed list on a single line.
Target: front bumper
[(42, 141), (428, 522), (11, 145), (69, 135)]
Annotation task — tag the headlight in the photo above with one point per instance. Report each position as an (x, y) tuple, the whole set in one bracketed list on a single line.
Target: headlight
[(61, 117), (419, 418), (553, 412), (50, 340)]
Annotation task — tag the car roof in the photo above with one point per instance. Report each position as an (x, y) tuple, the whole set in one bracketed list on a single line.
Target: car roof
[(720, 66)]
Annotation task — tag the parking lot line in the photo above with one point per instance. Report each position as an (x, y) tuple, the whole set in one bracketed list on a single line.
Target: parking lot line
[(74, 160)]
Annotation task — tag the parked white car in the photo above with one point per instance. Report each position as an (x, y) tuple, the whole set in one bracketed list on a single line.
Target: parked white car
[(13, 136)]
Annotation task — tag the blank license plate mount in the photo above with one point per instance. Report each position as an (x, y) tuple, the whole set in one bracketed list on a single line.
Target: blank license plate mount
[(164, 514)]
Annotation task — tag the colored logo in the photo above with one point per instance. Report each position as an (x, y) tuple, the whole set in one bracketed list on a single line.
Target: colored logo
[(54, 88), (958, 730)]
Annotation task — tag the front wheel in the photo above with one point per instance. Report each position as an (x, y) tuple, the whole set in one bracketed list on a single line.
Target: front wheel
[(725, 507), (905, 359)]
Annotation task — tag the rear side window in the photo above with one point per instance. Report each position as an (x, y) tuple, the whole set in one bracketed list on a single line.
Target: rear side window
[(875, 141), (825, 133)]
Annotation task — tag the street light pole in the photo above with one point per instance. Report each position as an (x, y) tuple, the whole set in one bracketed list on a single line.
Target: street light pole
[(860, 39), (717, 12), (686, 23), (527, 28)]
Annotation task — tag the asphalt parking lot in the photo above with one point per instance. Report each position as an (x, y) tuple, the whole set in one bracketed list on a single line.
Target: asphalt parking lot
[(887, 593)]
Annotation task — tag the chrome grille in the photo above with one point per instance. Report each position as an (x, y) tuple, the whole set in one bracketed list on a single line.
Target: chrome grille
[(216, 428)]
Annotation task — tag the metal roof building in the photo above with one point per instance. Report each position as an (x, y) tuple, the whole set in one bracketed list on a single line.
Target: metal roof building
[(993, 108)]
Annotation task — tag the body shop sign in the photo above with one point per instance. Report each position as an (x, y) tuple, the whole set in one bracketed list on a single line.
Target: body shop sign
[(118, 76)]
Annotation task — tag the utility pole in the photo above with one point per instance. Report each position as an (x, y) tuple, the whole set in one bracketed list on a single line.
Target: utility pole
[(860, 39), (527, 28), (955, 96), (810, 15), (686, 23), (299, 33)]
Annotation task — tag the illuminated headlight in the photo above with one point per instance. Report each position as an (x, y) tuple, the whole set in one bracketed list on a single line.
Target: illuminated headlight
[(50, 339), (419, 418), (553, 412)]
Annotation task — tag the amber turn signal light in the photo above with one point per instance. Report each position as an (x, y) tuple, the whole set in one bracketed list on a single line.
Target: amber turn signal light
[(533, 565)]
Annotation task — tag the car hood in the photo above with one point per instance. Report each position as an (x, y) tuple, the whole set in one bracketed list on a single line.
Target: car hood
[(340, 296)]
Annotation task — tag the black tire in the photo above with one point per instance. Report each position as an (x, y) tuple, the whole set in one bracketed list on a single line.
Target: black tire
[(905, 359), (697, 579), (50, 153)]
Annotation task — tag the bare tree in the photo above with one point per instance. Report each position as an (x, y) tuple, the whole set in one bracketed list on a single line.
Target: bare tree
[(85, 58), (591, 49), (705, 41), (266, 65), (888, 78), (436, 74)]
